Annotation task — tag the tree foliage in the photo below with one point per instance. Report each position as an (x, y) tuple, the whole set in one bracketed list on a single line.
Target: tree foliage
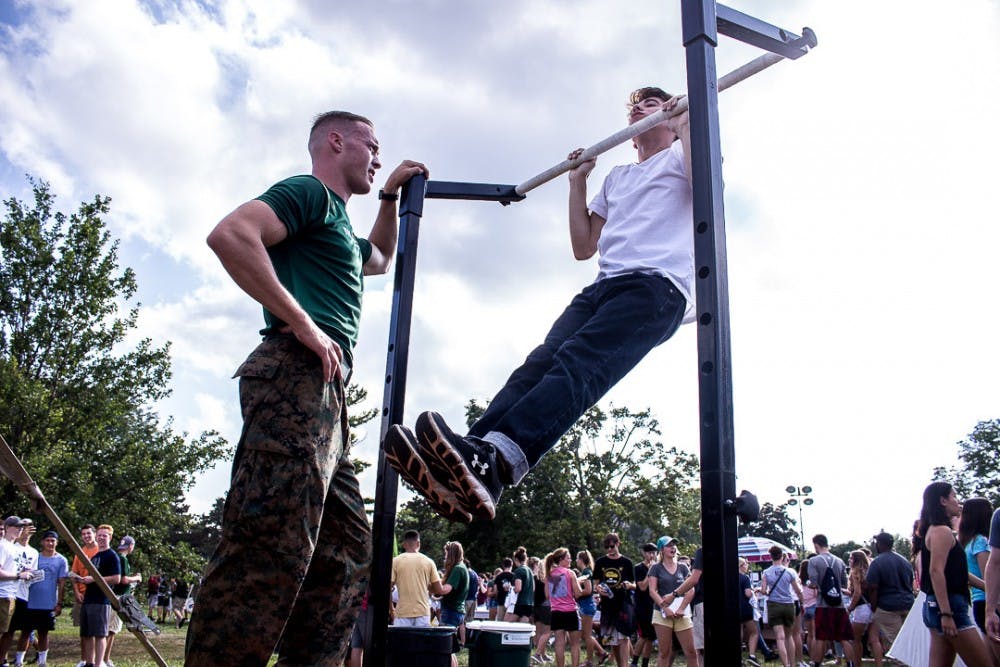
[(76, 396), (978, 470), (609, 473)]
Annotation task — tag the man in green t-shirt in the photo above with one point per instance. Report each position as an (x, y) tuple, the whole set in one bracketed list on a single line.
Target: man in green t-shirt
[(296, 545)]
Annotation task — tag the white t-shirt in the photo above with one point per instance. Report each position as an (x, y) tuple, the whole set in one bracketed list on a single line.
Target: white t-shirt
[(8, 589), (649, 214), (25, 558)]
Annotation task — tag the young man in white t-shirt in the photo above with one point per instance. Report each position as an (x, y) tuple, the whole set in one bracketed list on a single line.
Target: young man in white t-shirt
[(640, 223)]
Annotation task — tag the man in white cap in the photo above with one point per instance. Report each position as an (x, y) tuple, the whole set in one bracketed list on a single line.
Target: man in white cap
[(26, 560), (10, 575)]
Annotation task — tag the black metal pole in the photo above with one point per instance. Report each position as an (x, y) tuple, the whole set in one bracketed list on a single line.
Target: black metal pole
[(387, 482), (718, 474)]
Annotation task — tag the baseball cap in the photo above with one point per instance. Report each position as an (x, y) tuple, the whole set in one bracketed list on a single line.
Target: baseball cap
[(127, 541), (884, 538), (50, 533), (14, 521), (664, 541)]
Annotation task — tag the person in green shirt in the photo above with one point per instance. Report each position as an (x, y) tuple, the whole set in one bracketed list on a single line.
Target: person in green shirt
[(456, 587), (294, 251), (524, 585)]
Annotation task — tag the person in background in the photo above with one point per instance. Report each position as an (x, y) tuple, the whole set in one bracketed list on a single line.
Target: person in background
[(670, 618), (125, 586), (524, 586), (833, 623), (94, 611), (542, 613), (945, 580), (506, 595), (992, 580), (152, 586), (588, 608), (415, 576), (890, 588), (44, 599), (454, 589), (748, 620), (644, 608), (860, 607), (809, 594), (973, 531), (561, 590), (782, 589), (614, 577)]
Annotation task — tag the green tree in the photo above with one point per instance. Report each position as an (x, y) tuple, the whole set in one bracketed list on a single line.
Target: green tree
[(774, 523), (76, 396), (609, 473), (978, 471)]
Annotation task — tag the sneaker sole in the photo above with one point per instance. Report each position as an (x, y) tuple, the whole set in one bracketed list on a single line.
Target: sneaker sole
[(446, 464), (401, 453)]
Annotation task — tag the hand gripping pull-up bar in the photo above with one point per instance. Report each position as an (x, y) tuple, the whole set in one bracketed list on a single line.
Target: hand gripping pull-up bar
[(808, 40)]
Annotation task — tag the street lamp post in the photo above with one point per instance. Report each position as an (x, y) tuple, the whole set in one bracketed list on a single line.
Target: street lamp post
[(802, 492)]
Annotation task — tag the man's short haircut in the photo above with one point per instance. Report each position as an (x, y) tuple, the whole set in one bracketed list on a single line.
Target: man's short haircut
[(639, 94), (335, 117), (776, 553), (820, 540), (411, 536), (86, 526), (106, 527)]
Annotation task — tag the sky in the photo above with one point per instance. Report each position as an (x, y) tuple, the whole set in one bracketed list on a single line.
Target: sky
[(862, 235)]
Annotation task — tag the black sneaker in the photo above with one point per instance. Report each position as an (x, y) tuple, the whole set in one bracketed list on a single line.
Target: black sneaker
[(401, 452), (752, 660), (468, 466)]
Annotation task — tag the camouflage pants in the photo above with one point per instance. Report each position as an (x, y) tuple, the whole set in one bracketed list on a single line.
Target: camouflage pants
[(292, 565)]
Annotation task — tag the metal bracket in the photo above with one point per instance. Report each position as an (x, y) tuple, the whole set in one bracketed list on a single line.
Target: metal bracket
[(763, 35)]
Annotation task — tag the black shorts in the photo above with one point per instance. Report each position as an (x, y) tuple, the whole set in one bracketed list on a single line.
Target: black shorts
[(40, 620), (644, 625), (523, 609), (20, 618), (542, 614), (163, 600), (566, 620)]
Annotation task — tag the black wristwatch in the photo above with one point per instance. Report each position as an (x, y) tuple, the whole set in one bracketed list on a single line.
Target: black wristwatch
[(384, 196)]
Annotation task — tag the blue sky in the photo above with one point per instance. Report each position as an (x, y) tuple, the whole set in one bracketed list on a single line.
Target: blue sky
[(859, 180)]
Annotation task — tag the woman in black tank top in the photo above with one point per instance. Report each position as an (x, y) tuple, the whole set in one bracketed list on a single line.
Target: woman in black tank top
[(945, 580)]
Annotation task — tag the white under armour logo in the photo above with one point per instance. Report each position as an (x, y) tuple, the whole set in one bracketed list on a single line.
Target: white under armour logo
[(480, 466)]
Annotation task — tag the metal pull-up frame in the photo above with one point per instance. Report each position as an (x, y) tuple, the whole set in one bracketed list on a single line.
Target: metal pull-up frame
[(702, 20)]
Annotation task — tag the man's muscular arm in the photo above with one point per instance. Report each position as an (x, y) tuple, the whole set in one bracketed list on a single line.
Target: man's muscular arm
[(240, 241)]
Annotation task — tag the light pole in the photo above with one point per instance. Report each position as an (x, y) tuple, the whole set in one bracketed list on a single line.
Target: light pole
[(802, 492)]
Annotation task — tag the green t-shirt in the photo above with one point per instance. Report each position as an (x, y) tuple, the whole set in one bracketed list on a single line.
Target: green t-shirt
[(320, 261), (126, 571), (527, 594), (459, 580)]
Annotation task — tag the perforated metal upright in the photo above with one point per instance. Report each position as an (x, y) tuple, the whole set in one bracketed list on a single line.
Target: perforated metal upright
[(702, 20)]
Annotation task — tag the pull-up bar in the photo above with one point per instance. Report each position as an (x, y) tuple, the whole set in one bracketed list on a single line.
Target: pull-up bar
[(808, 40)]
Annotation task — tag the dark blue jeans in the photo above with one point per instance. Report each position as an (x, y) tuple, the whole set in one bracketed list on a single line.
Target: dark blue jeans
[(603, 333)]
